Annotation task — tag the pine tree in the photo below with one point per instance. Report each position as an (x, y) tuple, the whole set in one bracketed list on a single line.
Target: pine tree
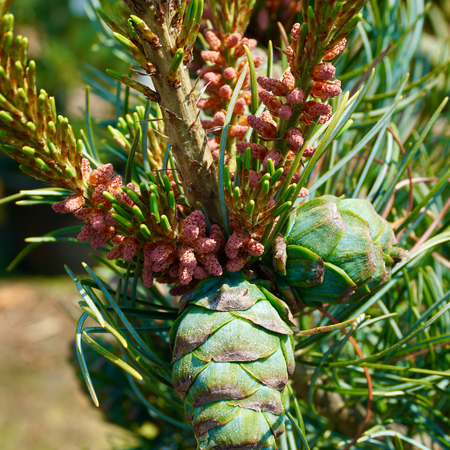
[(241, 192)]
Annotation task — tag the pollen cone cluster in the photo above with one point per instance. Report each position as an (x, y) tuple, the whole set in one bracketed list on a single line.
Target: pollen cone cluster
[(233, 354)]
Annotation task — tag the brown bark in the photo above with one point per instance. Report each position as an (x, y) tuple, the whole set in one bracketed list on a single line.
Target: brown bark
[(180, 113)]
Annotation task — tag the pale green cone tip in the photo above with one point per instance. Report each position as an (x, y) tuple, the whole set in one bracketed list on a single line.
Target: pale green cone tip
[(337, 250)]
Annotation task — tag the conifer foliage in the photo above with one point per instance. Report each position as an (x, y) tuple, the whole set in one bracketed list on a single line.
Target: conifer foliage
[(245, 205)]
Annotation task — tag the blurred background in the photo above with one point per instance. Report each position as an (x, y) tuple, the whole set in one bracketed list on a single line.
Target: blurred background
[(64, 44), (43, 406)]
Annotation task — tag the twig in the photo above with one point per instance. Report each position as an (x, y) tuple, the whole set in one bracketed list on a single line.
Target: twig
[(375, 160), (418, 353), (402, 184), (306, 313), (410, 176), (437, 256), (283, 34), (432, 227), (368, 378), (369, 70), (354, 323)]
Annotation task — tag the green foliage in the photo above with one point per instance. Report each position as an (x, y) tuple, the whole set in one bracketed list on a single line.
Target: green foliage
[(385, 143), (30, 130)]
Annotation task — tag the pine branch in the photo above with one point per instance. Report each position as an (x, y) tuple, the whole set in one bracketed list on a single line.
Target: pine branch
[(31, 132), (156, 31)]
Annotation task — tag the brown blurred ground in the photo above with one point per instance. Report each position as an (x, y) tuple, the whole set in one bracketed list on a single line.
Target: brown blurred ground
[(41, 404)]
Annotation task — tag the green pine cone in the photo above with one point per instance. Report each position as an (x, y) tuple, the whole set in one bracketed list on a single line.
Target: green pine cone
[(337, 250), (233, 355)]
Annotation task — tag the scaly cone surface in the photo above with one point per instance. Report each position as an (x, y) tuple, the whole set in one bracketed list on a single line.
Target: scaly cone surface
[(233, 353), (338, 250)]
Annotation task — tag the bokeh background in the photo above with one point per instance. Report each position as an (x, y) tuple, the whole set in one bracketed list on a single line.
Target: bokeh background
[(64, 45), (42, 404)]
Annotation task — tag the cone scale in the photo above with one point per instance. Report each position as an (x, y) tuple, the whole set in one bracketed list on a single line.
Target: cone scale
[(232, 342), (232, 357), (337, 251)]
